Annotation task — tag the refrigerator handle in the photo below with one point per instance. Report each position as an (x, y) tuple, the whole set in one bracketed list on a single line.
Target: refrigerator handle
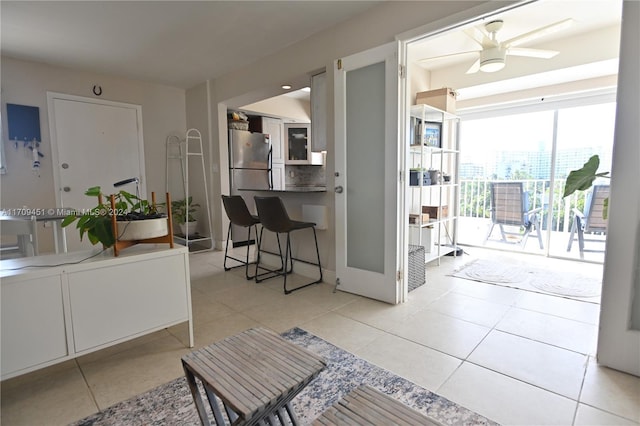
[(269, 163)]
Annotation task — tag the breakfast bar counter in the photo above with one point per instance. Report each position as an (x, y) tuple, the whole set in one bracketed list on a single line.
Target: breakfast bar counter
[(292, 189)]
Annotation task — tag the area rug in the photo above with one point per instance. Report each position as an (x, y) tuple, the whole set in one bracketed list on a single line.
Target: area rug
[(171, 404), (527, 277)]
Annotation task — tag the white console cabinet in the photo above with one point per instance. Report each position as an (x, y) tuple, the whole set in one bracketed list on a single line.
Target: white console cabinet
[(51, 314)]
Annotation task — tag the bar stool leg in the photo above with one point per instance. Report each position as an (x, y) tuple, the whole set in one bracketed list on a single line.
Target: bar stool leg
[(258, 254), (246, 270), (270, 272), (284, 263), (290, 259), (226, 247), (246, 262)]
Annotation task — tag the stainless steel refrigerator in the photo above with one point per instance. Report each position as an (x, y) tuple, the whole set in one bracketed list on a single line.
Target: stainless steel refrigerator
[(250, 169)]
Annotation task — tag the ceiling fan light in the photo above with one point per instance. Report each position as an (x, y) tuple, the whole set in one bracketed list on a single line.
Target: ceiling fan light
[(492, 65), (492, 60)]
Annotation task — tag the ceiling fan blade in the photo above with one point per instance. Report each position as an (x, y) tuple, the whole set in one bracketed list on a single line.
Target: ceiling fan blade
[(532, 53), (474, 68), (480, 37), (540, 32), (435, 58)]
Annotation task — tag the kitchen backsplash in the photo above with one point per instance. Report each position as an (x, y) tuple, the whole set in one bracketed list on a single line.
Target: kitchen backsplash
[(305, 175)]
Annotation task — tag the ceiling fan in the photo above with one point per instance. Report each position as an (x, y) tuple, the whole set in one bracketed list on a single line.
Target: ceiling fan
[(492, 56)]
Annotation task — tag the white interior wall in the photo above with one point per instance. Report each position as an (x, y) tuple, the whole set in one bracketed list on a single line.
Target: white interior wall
[(419, 81), (197, 109), (27, 83), (258, 81)]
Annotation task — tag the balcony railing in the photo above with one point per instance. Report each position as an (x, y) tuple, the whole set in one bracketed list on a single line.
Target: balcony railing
[(475, 201)]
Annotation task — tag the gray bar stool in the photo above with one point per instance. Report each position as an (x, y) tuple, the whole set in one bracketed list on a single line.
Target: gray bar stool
[(239, 215), (273, 216)]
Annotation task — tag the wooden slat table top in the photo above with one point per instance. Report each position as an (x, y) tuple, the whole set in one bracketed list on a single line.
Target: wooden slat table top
[(368, 406), (254, 370)]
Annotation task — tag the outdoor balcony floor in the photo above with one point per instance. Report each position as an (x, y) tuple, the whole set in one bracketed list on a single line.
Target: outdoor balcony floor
[(472, 232)]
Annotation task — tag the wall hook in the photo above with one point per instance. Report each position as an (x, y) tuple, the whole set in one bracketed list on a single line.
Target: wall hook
[(97, 90)]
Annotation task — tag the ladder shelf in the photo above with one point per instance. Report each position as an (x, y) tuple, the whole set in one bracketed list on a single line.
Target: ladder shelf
[(182, 150)]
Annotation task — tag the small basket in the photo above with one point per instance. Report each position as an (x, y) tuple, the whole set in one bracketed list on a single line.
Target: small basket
[(238, 125), (417, 267)]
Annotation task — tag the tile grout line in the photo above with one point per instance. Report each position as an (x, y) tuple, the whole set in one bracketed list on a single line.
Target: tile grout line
[(584, 377), (86, 381)]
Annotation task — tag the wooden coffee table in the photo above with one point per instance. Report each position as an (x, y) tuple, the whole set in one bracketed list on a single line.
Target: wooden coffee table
[(366, 406), (255, 374)]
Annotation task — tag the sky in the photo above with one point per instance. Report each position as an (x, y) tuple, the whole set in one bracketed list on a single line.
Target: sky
[(591, 125)]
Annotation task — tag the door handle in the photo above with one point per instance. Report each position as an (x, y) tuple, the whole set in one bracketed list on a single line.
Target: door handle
[(338, 189)]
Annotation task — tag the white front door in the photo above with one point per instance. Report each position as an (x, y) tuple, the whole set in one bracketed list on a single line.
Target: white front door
[(369, 196), (95, 143)]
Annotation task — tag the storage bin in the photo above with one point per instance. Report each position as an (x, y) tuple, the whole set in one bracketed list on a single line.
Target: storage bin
[(238, 125), (436, 212), (444, 99), (414, 219), (423, 236), (414, 178), (417, 268)]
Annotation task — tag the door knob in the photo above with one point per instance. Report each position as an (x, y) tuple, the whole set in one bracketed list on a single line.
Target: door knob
[(338, 189), (66, 189), (65, 166)]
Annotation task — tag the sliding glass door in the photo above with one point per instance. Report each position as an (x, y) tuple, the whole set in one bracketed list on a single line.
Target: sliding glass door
[(582, 132), (537, 148)]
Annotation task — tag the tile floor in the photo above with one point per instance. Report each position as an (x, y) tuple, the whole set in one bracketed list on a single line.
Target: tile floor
[(514, 356)]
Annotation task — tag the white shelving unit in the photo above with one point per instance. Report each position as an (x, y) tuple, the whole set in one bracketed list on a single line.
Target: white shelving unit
[(436, 156), (184, 150)]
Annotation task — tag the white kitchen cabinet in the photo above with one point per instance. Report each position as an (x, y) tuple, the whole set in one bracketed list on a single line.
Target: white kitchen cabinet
[(319, 112), (278, 176), (433, 180), (87, 303), (297, 145)]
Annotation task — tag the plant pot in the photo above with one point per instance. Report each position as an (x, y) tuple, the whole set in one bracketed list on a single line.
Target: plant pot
[(142, 229), (189, 228)]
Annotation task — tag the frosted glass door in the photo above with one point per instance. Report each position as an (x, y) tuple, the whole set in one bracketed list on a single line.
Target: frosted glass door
[(367, 183)]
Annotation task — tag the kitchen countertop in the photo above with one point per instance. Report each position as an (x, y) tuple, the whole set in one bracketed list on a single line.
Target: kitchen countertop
[(292, 189)]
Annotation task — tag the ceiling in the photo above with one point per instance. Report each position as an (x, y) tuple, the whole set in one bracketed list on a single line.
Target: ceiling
[(183, 43), (177, 43), (589, 17)]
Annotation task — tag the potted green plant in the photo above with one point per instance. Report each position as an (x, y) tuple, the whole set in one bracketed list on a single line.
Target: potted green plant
[(136, 219), (182, 212), (582, 179)]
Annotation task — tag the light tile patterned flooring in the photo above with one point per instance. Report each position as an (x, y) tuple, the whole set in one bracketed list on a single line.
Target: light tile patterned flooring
[(516, 357)]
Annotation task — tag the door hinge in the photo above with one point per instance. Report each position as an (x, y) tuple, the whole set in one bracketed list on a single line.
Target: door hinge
[(400, 176), (339, 64), (398, 275), (402, 71)]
